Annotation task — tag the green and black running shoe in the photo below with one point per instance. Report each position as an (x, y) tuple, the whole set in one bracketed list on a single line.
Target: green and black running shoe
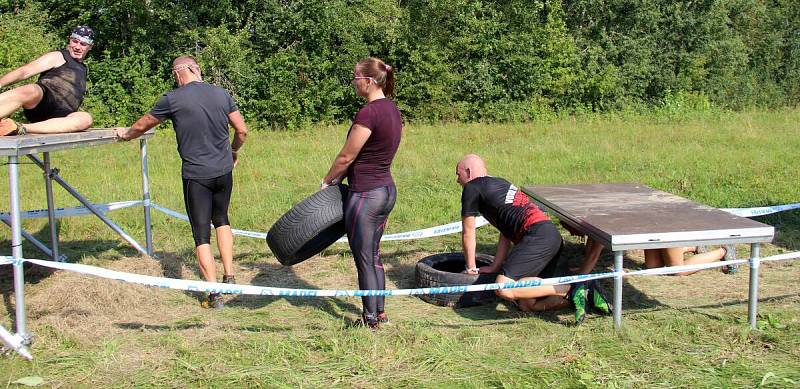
[(598, 300), (578, 294)]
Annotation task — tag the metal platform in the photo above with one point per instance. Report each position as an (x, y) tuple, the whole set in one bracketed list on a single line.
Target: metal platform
[(28, 145), (634, 216), (39, 143)]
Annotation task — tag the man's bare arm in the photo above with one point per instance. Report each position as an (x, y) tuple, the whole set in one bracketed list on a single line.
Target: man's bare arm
[(46, 62), (240, 134), (146, 122), (468, 241)]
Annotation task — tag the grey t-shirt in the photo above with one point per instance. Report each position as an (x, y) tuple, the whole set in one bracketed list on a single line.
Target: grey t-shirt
[(199, 113)]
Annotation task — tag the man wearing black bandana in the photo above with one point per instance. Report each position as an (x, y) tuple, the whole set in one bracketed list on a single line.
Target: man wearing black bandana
[(51, 103)]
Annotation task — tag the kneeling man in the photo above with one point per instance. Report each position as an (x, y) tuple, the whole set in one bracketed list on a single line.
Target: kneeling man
[(529, 243)]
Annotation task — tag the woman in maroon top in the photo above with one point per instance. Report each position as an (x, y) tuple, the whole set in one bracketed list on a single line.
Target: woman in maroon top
[(366, 161)]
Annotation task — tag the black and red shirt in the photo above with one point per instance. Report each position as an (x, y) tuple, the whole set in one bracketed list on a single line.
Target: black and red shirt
[(502, 204)]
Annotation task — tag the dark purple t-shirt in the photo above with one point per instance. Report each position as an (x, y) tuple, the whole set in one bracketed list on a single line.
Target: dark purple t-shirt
[(372, 167)]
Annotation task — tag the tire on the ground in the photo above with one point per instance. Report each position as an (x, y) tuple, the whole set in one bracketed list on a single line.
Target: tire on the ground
[(445, 270), (309, 227)]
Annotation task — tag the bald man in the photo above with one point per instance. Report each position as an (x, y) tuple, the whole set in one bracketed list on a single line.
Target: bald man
[(529, 243), (200, 114)]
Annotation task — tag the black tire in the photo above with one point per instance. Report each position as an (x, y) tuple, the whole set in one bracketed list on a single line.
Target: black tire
[(445, 270), (309, 227)]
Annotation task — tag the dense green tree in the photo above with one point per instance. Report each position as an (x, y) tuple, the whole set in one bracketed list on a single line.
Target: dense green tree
[(289, 62)]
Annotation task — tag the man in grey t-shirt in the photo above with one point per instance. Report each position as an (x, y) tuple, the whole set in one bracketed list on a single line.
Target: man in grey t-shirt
[(200, 114)]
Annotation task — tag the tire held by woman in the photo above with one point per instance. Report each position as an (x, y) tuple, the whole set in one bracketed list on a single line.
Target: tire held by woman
[(309, 227)]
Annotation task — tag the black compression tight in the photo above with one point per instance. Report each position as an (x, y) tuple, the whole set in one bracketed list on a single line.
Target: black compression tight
[(207, 201), (365, 216)]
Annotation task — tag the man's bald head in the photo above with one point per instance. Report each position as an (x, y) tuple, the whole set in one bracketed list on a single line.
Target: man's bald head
[(186, 69), (185, 61), (469, 168)]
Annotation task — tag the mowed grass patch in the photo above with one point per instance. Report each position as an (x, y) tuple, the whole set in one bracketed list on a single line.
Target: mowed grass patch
[(688, 332)]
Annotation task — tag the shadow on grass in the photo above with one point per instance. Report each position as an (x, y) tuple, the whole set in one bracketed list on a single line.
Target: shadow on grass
[(696, 309), (787, 228), (152, 327), (403, 275), (270, 274), (175, 265), (34, 274)]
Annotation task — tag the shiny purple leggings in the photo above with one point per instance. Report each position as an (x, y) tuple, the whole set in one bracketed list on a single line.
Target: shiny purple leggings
[(365, 216)]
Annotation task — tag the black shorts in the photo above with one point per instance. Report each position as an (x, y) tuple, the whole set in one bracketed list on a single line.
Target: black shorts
[(207, 201), (537, 254), (50, 107)]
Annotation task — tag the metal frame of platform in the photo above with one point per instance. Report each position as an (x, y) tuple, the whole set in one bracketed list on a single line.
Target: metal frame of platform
[(14, 147), (634, 216)]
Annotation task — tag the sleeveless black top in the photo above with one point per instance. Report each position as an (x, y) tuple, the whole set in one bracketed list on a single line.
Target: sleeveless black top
[(67, 82)]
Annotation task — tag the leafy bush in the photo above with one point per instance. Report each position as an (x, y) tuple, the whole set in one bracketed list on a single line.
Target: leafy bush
[(23, 37), (288, 63)]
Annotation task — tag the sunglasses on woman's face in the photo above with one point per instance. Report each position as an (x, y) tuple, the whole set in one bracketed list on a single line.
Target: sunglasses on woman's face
[(355, 78)]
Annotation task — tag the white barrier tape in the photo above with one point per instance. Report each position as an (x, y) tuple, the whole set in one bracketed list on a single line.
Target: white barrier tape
[(455, 227), (761, 211), (782, 257), (684, 268), (250, 234), (444, 229), (216, 287), (74, 211), (170, 212)]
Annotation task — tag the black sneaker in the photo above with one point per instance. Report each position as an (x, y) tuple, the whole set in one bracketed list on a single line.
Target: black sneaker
[(598, 300), (214, 301), (578, 294), (370, 322), (228, 279)]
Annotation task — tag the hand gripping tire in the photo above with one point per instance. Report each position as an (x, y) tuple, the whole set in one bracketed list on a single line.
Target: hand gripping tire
[(445, 270), (309, 227)]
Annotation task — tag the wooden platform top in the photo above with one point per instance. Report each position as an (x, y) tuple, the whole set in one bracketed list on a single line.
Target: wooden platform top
[(37, 143), (626, 216)]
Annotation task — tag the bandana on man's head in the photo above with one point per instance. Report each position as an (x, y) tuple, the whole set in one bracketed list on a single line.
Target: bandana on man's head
[(83, 34)]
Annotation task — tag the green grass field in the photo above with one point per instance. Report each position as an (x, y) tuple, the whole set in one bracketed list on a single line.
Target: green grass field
[(678, 331)]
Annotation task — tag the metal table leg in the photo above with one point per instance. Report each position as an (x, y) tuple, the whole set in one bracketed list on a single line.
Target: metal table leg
[(15, 342), (618, 290), (16, 245), (36, 242), (51, 210), (148, 233), (755, 263)]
